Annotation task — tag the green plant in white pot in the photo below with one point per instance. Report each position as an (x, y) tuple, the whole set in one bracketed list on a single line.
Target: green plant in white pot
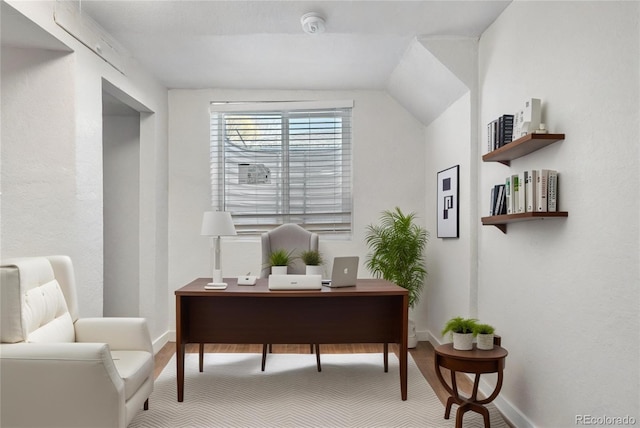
[(397, 247), (313, 262), (484, 334), (280, 261), (461, 331)]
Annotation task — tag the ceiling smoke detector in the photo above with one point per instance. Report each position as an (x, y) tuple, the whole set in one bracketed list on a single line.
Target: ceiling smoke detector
[(312, 23)]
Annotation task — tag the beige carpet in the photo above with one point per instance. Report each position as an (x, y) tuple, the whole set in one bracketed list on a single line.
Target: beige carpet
[(351, 391)]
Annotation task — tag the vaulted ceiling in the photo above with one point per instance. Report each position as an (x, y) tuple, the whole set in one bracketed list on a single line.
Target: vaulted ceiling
[(260, 44)]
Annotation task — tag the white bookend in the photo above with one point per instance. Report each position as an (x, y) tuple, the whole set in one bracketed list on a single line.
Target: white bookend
[(515, 195), (527, 119), (541, 190), (532, 115), (522, 191), (552, 196), (508, 191), (530, 189)]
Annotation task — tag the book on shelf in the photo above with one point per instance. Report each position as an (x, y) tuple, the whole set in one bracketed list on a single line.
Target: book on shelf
[(515, 194), (492, 129), (501, 207), (542, 190), (522, 191), (505, 129), (497, 200), (552, 193), (499, 132), (508, 192), (530, 190), (492, 207)]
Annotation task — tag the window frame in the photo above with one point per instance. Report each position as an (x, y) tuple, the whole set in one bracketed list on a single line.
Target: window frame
[(219, 179)]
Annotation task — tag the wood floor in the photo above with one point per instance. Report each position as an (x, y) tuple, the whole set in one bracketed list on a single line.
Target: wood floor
[(423, 355)]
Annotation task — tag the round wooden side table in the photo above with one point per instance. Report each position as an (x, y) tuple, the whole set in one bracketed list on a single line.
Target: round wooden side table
[(475, 361)]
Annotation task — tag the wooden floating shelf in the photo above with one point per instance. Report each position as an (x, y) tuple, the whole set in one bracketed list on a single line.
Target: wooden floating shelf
[(501, 221), (521, 147)]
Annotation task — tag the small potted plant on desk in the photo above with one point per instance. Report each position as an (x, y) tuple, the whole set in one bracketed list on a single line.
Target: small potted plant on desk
[(461, 330), (484, 335), (313, 262), (280, 261)]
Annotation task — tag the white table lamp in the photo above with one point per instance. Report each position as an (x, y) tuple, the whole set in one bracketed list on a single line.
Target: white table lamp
[(217, 224)]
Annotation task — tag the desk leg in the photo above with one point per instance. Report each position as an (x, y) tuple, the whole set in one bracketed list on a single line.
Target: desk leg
[(201, 357), (180, 348), (180, 370), (385, 351), (404, 347)]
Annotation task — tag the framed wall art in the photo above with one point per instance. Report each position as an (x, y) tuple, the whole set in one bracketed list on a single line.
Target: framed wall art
[(448, 190)]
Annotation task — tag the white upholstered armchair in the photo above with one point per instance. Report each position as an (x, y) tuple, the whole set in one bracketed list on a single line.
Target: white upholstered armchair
[(61, 371)]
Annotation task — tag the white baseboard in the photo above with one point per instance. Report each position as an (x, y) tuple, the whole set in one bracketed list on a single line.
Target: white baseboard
[(423, 336), (162, 340)]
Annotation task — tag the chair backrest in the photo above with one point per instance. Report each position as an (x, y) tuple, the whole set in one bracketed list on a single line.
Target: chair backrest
[(38, 300), (288, 237)]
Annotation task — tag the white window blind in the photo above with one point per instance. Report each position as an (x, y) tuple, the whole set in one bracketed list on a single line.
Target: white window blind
[(286, 165)]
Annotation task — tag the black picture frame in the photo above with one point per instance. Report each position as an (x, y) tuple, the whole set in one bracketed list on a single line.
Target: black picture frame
[(448, 202)]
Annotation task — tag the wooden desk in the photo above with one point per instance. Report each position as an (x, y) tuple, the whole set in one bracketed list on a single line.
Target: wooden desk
[(374, 311), (474, 361)]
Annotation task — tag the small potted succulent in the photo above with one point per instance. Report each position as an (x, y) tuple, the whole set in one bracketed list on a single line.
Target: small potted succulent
[(280, 261), (461, 331), (313, 261), (484, 336)]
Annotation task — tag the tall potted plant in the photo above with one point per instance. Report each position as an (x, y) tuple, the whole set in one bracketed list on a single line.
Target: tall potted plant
[(397, 247)]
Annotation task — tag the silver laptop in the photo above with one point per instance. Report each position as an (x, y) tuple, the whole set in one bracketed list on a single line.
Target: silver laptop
[(295, 282), (344, 273)]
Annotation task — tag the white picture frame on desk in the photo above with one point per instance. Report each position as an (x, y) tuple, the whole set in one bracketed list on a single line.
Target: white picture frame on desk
[(448, 202)]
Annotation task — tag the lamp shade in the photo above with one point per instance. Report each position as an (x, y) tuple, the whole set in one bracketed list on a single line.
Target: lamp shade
[(217, 223)]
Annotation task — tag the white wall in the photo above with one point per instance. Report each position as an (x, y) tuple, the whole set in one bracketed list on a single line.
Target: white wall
[(388, 171), (121, 196), (52, 163), (564, 293), (451, 269)]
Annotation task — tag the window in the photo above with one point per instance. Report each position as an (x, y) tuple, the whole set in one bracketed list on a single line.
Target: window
[(275, 163)]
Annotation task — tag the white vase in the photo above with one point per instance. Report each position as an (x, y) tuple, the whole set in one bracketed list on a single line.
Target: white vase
[(463, 341), (485, 342), (313, 270), (278, 270), (412, 340)]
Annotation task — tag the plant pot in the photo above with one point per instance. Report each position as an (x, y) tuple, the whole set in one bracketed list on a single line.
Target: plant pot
[(313, 270), (463, 341), (278, 270), (485, 342)]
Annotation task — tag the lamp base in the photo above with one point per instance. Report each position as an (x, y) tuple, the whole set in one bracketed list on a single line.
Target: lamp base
[(215, 286), (220, 284)]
